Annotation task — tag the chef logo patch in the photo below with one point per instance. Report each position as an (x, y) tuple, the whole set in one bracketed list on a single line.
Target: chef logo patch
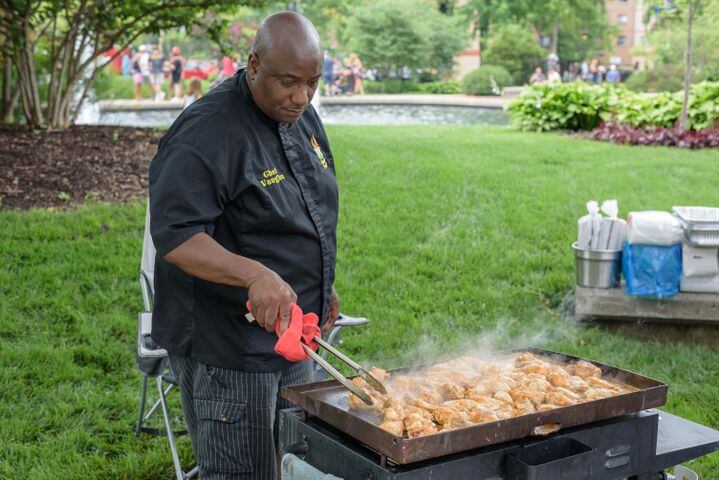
[(271, 177), (318, 151)]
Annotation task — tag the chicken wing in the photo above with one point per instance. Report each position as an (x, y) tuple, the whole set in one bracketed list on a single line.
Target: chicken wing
[(466, 391)]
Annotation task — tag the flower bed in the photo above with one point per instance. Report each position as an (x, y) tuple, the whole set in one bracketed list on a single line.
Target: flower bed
[(656, 135)]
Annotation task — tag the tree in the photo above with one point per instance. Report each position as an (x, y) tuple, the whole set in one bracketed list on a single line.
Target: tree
[(514, 48), (449, 36), (484, 15), (576, 28), (54, 45), (684, 43), (10, 91), (668, 40), (330, 17), (392, 34)]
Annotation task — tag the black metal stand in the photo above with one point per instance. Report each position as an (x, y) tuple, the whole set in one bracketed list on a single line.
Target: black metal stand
[(640, 446)]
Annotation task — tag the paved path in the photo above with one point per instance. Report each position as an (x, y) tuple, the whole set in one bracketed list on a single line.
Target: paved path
[(401, 99)]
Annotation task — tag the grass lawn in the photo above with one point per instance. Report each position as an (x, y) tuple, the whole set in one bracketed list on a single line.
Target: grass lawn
[(450, 239)]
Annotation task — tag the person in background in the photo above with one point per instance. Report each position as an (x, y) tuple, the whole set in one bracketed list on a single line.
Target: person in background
[(176, 64), (125, 63), (136, 71), (601, 72), (613, 75), (357, 74), (144, 63), (585, 71), (345, 78), (537, 77), (193, 93), (553, 76), (593, 71), (157, 63), (328, 76), (552, 62)]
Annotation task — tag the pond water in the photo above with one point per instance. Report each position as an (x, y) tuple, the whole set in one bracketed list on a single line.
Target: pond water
[(335, 115)]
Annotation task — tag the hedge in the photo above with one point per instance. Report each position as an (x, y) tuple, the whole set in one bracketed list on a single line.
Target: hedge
[(582, 106)]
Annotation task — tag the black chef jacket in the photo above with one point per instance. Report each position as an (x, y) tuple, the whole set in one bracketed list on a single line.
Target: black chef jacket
[(263, 190)]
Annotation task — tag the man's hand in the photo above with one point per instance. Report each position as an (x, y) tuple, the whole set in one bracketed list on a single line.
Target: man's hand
[(334, 312), (271, 298)]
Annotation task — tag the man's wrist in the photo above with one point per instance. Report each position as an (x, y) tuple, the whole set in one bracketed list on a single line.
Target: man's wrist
[(245, 271)]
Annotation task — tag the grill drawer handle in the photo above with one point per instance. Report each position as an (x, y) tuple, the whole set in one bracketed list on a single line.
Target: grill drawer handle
[(556, 459)]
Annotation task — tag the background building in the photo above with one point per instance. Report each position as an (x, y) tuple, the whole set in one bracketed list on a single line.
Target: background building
[(628, 18)]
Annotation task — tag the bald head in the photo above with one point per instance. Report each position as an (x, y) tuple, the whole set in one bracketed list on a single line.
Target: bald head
[(286, 31), (285, 65)]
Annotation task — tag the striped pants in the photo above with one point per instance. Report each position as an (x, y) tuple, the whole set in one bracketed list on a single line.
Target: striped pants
[(232, 416)]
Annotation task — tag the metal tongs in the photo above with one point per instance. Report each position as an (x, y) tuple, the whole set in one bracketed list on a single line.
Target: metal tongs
[(361, 372)]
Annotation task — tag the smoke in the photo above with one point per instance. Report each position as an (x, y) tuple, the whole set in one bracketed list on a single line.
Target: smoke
[(506, 334)]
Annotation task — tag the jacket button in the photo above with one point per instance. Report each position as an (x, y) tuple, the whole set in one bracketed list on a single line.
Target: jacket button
[(223, 418)]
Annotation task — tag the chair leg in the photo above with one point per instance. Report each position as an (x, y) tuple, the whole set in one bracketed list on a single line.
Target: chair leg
[(157, 403), (192, 473), (143, 401), (170, 436)]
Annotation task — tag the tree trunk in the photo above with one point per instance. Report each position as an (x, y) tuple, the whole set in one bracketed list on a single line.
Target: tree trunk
[(6, 77), (555, 37), (479, 44), (10, 94), (687, 66), (27, 78)]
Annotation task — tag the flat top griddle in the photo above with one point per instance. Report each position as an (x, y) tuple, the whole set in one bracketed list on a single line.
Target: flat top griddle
[(329, 401)]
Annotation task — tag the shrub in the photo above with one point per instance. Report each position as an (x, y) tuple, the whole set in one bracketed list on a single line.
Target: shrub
[(665, 136), (483, 80), (566, 106), (391, 85), (668, 78), (579, 106), (440, 87), (108, 85)]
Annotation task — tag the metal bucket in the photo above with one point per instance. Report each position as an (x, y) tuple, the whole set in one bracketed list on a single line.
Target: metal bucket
[(597, 268)]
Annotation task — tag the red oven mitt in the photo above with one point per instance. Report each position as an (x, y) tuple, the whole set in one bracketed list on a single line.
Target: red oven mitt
[(303, 328)]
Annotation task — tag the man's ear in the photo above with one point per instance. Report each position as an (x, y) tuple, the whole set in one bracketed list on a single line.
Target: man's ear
[(253, 65)]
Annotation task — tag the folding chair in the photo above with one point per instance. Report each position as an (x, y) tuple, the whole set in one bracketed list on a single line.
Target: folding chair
[(153, 361)]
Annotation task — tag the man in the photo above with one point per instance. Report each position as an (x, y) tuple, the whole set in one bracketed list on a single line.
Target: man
[(537, 77), (157, 63), (244, 203), (613, 75), (328, 73), (144, 63)]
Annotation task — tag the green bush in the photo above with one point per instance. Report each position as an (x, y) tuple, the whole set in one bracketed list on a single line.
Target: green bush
[(108, 85), (668, 78), (391, 85), (440, 87), (580, 106), (482, 81)]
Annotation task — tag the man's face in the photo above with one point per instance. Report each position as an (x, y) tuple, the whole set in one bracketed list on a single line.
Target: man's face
[(284, 83)]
